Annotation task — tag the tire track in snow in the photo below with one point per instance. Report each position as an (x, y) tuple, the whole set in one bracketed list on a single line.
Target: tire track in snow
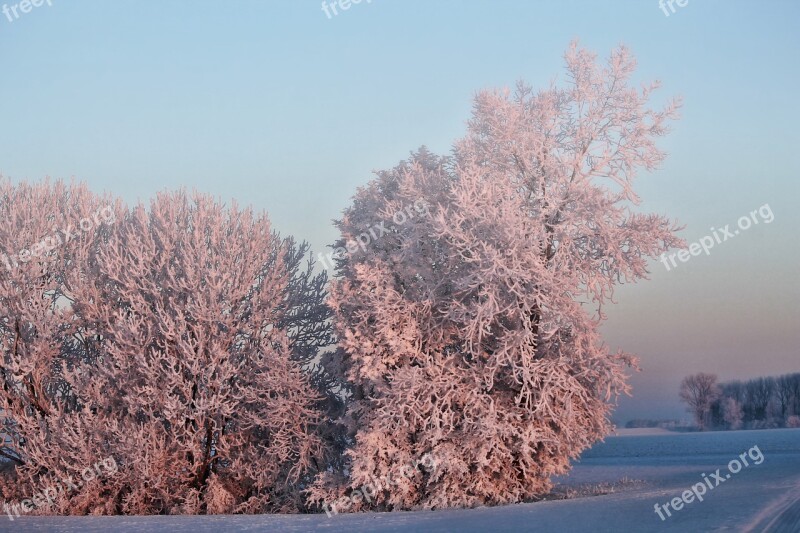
[(788, 521), (784, 513)]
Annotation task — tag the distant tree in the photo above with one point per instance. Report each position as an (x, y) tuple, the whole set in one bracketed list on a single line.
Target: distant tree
[(699, 392), (765, 402), (759, 393), (732, 413), (465, 329), (783, 394), (642, 423), (649, 423), (794, 387), (787, 392), (735, 390)]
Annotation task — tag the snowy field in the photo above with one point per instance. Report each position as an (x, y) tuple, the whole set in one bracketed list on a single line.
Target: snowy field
[(633, 473)]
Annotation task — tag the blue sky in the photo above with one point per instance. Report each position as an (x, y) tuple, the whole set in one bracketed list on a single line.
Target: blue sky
[(276, 105)]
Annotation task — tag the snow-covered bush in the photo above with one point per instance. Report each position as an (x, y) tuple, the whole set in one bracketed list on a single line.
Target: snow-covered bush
[(172, 341)]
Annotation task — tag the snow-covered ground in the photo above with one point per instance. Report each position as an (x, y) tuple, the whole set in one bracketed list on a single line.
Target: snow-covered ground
[(640, 470)]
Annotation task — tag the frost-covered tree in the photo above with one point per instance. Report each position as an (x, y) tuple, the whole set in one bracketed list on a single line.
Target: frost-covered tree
[(471, 328), (49, 433), (732, 413), (173, 340), (699, 392), (187, 302)]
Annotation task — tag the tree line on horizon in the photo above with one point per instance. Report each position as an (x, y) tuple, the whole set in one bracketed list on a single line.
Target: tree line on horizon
[(759, 403)]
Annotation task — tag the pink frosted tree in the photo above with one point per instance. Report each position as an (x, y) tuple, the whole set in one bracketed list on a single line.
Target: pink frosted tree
[(212, 413), (471, 331), (45, 231), (179, 341)]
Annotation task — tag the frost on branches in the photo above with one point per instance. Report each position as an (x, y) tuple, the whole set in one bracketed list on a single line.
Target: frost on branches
[(472, 333), (174, 342), (49, 429)]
